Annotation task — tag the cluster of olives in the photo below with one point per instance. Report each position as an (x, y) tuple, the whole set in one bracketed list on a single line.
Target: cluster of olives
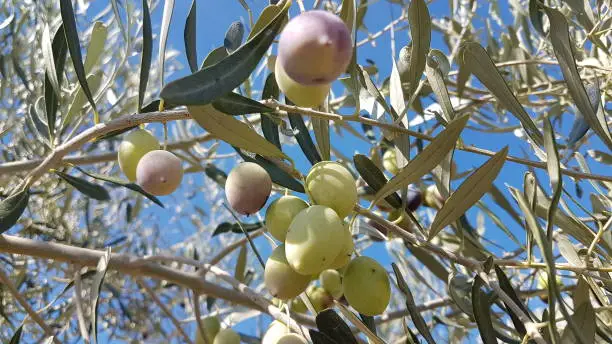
[(213, 334), (314, 49), (157, 171)]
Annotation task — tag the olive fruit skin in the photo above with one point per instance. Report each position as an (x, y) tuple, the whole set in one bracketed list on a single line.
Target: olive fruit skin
[(390, 161), (280, 213), (291, 338), (314, 240), (319, 298), (211, 327), (346, 252), (280, 279), (331, 281), (315, 47), (275, 331), (159, 172), (366, 286), (227, 336), (248, 187), (300, 95), (330, 184), (133, 147)]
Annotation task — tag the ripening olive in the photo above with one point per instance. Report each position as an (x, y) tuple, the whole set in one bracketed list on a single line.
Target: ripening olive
[(280, 279), (314, 240), (227, 336), (159, 172), (247, 188), (366, 286), (331, 281), (211, 327), (347, 250), (390, 161), (292, 338), (133, 147), (319, 298), (300, 95), (275, 331), (280, 213), (315, 47), (331, 184)]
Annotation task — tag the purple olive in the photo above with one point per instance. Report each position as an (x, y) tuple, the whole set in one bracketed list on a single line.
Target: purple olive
[(247, 188), (159, 172), (315, 48)]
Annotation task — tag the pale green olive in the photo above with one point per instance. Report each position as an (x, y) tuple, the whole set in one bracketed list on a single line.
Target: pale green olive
[(331, 281), (331, 184), (291, 338), (211, 327), (280, 279), (366, 286), (300, 95), (346, 252), (133, 147), (280, 213)]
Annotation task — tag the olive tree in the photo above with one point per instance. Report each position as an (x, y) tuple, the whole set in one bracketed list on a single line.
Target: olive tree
[(452, 186)]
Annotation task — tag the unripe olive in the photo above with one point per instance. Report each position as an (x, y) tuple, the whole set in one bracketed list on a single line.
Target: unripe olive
[(331, 281), (314, 240), (432, 197), (280, 279), (275, 331), (300, 95), (366, 286), (133, 147), (280, 213), (319, 298), (331, 184), (296, 304), (390, 161), (211, 327), (227, 336), (248, 187), (347, 250), (159, 172), (292, 338), (315, 47)]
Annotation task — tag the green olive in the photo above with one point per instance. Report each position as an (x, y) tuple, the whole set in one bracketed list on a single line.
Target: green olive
[(275, 331), (300, 95), (314, 240), (331, 281), (390, 161), (280, 213), (366, 286), (346, 252), (280, 279), (133, 147), (211, 327), (331, 184), (319, 298)]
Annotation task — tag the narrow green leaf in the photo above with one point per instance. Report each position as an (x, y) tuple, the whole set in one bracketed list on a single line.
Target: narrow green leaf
[(42, 131), (460, 290), (226, 227), (348, 13), (11, 209), (124, 183), (233, 36), (420, 30), (416, 316), (585, 319), (482, 313), (240, 268), (163, 39), (425, 161), (475, 58), (332, 325), (190, 37), (470, 191), (554, 172), (562, 45), (368, 320), (215, 56), (237, 105), (79, 100), (366, 83), (16, 338), (209, 83), (233, 131), (436, 80), (396, 92), (320, 127), (536, 16), (72, 39), (96, 288), (320, 338), (502, 201), (99, 32), (375, 178), (21, 74), (52, 95), (268, 126), (277, 174), (506, 286), (265, 18), (47, 51), (86, 187), (303, 137), (147, 52)]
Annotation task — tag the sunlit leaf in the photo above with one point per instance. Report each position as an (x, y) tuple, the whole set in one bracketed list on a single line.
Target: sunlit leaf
[(96, 288), (420, 30), (99, 32)]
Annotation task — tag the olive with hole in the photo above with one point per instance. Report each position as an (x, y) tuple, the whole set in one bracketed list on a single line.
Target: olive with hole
[(315, 47), (227, 336), (159, 172), (300, 95), (291, 338), (314, 240), (330, 184), (133, 147), (331, 281), (280, 213), (366, 286), (210, 326), (247, 188), (280, 279)]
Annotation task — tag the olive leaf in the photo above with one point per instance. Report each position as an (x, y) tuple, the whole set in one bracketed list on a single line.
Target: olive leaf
[(420, 30), (96, 288), (233, 36), (11, 209), (86, 187), (190, 37), (303, 137), (147, 53), (236, 105), (268, 126), (277, 174), (99, 32), (163, 38), (482, 313), (226, 227), (59, 50)]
